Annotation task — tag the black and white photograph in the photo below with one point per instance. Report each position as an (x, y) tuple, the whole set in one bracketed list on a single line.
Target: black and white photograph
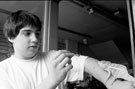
[(67, 44)]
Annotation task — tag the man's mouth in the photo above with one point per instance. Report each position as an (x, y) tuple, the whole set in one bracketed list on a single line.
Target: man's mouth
[(34, 46)]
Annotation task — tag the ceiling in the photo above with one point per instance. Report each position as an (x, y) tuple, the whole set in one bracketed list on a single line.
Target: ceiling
[(97, 20)]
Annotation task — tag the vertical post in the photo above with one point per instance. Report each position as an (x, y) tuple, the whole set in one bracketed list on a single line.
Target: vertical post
[(131, 13), (50, 26)]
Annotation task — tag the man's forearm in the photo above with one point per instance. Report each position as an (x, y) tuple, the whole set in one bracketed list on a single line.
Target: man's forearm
[(92, 67)]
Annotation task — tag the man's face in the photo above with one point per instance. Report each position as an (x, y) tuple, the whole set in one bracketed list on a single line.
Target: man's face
[(26, 44)]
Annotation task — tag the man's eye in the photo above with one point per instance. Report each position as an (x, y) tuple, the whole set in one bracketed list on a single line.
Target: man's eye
[(27, 33), (37, 34)]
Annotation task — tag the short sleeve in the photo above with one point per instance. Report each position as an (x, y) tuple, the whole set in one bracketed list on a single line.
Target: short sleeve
[(76, 73)]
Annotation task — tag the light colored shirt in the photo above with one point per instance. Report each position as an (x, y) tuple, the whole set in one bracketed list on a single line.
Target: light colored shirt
[(28, 74)]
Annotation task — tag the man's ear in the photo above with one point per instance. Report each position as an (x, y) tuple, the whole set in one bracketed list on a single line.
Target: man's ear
[(10, 40)]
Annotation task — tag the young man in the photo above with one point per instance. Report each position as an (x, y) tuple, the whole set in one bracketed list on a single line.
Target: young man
[(27, 68)]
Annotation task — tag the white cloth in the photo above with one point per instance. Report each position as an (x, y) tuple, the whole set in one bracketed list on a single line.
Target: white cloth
[(116, 70), (28, 74)]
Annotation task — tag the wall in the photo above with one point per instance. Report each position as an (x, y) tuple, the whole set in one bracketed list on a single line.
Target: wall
[(72, 46), (108, 51), (103, 51)]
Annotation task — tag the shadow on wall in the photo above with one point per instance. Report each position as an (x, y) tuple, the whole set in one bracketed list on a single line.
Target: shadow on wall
[(104, 51)]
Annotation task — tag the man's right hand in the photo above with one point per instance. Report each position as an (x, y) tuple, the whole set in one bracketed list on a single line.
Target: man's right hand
[(58, 64)]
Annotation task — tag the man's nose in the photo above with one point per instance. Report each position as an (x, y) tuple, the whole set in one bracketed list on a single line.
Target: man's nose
[(34, 38)]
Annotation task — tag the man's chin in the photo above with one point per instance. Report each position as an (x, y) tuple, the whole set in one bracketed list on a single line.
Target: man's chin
[(32, 54)]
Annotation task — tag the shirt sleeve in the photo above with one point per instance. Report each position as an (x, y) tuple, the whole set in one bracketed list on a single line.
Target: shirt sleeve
[(76, 73)]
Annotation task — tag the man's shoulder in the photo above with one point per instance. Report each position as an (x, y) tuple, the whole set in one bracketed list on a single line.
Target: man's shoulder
[(4, 63), (41, 55)]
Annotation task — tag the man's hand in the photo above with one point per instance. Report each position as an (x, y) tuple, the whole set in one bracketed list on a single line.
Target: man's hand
[(118, 84), (58, 64), (117, 71)]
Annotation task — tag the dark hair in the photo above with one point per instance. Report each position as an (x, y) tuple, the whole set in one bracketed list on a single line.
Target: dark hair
[(18, 20)]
